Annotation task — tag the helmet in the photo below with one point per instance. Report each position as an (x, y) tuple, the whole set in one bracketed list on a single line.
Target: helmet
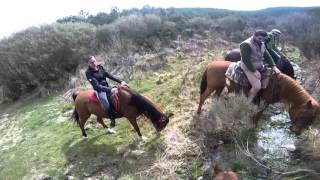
[(275, 32)]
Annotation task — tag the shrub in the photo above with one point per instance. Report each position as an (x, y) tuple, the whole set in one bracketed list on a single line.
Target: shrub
[(43, 56)]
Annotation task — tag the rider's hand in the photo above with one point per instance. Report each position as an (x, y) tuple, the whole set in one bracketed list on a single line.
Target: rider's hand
[(124, 83), (114, 90), (275, 69), (257, 74)]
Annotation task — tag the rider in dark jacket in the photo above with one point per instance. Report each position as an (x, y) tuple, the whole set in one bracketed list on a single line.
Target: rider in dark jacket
[(272, 42), (97, 75)]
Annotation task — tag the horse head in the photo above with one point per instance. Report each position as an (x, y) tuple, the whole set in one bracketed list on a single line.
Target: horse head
[(163, 121), (220, 174), (302, 116)]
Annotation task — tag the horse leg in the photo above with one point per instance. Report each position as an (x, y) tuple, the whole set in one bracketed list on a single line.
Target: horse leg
[(99, 119), (257, 116), (81, 124), (218, 92), (82, 121), (203, 97), (133, 122)]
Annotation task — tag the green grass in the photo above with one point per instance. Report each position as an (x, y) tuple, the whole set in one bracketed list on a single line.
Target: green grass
[(39, 139), (294, 55)]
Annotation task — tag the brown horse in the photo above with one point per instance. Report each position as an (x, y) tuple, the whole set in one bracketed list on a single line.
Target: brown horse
[(303, 109), (132, 105), (283, 64)]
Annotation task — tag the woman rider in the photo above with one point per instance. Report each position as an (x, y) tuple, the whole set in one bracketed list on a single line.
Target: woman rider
[(97, 75)]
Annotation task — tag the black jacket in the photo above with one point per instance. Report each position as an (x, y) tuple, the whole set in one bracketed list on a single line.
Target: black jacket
[(97, 79)]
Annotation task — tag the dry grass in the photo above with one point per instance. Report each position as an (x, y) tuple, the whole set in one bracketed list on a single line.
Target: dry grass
[(309, 145), (230, 115)]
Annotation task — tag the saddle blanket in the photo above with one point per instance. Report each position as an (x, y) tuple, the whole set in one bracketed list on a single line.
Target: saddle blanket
[(236, 74)]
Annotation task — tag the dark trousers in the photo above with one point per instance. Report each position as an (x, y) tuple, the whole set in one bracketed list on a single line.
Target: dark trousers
[(107, 107), (275, 56)]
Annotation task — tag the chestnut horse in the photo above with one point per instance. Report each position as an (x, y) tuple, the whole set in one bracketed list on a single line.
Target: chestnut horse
[(283, 63), (303, 109), (132, 105), (223, 175)]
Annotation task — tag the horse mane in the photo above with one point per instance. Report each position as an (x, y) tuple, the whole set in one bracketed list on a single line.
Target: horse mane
[(145, 107), (290, 90)]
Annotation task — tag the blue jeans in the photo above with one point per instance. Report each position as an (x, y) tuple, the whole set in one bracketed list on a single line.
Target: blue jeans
[(105, 102)]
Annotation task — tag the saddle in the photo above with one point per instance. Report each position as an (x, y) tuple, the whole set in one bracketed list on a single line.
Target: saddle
[(112, 98), (237, 75)]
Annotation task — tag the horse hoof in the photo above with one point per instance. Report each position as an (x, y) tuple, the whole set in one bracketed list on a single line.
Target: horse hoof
[(111, 131), (84, 138)]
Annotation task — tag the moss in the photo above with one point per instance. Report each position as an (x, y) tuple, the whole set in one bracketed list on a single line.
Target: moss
[(196, 169), (48, 146), (251, 136), (278, 124), (294, 55), (67, 107)]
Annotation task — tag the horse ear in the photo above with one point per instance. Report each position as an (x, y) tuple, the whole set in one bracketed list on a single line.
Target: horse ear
[(216, 169), (309, 104)]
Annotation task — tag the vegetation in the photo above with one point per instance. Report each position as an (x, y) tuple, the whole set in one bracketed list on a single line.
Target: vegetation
[(162, 54), (28, 56)]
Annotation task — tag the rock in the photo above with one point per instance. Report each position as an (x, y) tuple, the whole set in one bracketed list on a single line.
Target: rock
[(200, 178), (138, 152), (70, 178), (85, 174), (42, 177), (290, 147)]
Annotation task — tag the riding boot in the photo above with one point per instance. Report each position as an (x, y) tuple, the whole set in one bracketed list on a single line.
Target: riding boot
[(113, 123), (112, 118)]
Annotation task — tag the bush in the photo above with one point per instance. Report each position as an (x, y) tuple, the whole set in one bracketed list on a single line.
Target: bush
[(230, 25), (43, 57), (309, 43), (141, 30), (229, 117), (200, 24), (168, 31)]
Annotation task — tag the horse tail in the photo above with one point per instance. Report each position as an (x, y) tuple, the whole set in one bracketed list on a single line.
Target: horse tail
[(147, 108), (74, 95), (203, 85), (286, 67), (75, 115)]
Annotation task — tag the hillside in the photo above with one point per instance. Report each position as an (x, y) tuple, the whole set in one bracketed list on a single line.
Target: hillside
[(161, 54)]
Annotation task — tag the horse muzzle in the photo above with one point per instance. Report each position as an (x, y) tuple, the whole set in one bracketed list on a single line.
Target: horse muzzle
[(296, 130)]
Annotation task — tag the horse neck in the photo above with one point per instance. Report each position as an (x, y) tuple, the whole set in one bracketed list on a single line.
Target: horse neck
[(124, 96), (292, 92), (145, 106)]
